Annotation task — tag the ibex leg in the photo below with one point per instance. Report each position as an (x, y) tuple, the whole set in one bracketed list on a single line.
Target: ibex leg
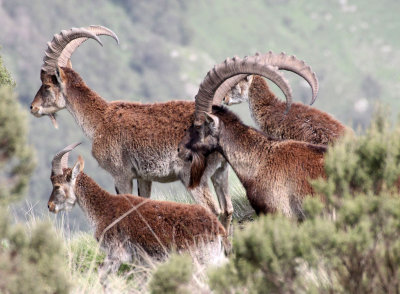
[(144, 188), (220, 182), (123, 185)]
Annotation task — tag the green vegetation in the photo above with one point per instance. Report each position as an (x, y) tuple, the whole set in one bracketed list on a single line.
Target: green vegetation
[(173, 276), (30, 258), (31, 261), (370, 164), (16, 157), (358, 252), (350, 243)]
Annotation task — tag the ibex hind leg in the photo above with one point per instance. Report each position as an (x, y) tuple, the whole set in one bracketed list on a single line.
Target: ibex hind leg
[(144, 188), (220, 182), (123, 185)]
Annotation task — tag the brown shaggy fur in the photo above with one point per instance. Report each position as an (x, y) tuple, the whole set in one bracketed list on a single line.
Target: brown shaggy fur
[(155, 226), (301, 123), (274, 173)]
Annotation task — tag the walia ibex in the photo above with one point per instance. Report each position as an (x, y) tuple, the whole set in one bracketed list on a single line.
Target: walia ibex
[(302, 122), (275, 173), (129, 226), (130, 140)]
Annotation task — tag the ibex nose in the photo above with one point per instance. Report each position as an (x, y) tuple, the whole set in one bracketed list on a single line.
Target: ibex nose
[(51, 206), (34, 109)]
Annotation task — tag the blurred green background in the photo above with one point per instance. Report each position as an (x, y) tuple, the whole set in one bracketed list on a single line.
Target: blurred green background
[(167, 47)]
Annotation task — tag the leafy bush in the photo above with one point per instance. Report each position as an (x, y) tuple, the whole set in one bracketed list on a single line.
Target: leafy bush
[(172, 276), (359, 252), (16, 157), (31, 260), (368, 163)]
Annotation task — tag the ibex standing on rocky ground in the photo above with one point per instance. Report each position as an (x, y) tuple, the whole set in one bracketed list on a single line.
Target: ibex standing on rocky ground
[(302, 122), (274, 173), (129, 140), (128, 226)]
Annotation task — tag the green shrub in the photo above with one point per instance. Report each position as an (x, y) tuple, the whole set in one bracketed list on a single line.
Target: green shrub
[(172, 276), (31, 259), (16, 156), (5, 77), (31, 262), (368, 163), (359, 252)]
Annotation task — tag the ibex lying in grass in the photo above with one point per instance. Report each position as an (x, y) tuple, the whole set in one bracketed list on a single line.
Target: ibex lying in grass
[(128, 225), (302, 122), (274, 173), (130, 140)]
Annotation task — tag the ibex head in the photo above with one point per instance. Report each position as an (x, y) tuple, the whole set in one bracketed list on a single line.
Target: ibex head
[(240, 92), (51, 96), (240, 84), (197, 144), (63, 180), (203, 137)]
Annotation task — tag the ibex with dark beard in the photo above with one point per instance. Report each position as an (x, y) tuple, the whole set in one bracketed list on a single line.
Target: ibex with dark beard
[(302, 122), (128, 226), (274, 173), (130, 140)]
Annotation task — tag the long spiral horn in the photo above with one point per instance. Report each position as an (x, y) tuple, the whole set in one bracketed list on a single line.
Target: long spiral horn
[(60, 160), (291, 63), (59, 42), (67, 52), (229, 68), (281, 61)]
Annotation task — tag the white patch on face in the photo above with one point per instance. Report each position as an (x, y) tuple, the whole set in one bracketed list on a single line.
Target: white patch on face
[(52, 104)]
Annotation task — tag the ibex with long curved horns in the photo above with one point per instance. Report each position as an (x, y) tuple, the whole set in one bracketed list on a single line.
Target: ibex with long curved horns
[(274, 173), (130, 140), (302, 122), (127, 225)]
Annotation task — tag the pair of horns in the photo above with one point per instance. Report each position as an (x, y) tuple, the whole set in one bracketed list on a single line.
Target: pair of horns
[(63, 45), (60, 160), (225, 75)]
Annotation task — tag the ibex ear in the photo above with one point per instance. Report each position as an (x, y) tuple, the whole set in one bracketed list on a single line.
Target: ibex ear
[(69, 63), (212, 122), (78, 167), (58, 76), (249, 78)]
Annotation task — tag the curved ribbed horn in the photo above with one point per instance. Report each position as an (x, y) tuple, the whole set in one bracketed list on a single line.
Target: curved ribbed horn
[(228, 84), (59, 42), (60, 160), (230, 68), (291, 63), (71, 47)]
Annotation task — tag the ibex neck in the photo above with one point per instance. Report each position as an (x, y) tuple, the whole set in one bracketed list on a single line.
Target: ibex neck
[(91, 198), (85, 105), (242, 146), (261, 97)]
